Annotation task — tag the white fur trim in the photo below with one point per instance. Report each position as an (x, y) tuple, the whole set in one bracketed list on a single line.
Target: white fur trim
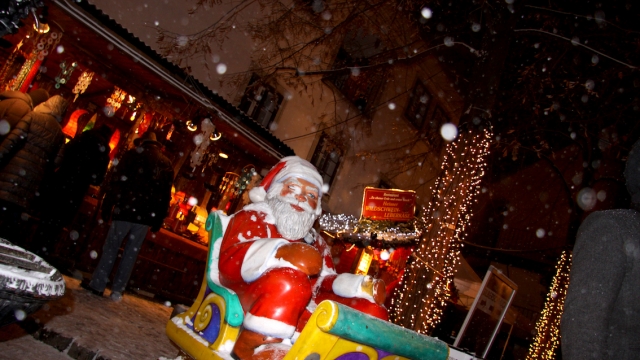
[(350, 286), (276, 350), (257, 194), (295, 337), (261, 257), (214, 272), (269, 327), (296, 166), (262, 207)]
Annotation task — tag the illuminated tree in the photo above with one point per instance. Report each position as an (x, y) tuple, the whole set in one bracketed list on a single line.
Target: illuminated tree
[(548, 327), (428, 280)]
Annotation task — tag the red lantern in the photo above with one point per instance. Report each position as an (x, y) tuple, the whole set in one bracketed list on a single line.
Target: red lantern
[(71, 127), (113, 142)]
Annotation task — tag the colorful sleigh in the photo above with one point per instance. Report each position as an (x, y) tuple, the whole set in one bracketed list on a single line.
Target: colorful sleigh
[(208, 330)]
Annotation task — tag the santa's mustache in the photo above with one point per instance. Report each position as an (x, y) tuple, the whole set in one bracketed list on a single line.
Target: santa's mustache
[(291, 224), (290, 199)]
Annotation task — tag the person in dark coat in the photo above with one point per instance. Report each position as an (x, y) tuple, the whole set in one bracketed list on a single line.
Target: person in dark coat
[(601, 319), (84, 163), (14, 105), (137, 198), (32, 148)]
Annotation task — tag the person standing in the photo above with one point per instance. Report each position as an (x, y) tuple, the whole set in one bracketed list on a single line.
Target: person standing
[(14, 105), (601, 319), (84, 163), (136, 199), (31, 149)]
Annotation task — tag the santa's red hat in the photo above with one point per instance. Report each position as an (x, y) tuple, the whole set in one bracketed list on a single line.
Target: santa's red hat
[(291, 166)]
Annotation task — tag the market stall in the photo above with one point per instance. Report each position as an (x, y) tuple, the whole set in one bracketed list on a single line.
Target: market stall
[(112, 78)]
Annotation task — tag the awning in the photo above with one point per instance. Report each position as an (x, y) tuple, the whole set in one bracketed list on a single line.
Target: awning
[(106, 46)]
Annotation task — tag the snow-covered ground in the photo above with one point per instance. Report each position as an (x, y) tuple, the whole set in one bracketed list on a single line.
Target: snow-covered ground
[(131, 329), (15, 343)]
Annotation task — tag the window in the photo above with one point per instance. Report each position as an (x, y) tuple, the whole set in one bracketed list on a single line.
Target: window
[(260, 101), (418, 105), (360, 85), (327, 158)]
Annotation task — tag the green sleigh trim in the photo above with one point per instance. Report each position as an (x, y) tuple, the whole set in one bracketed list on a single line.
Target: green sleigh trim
[(364, 329), (233, 314)]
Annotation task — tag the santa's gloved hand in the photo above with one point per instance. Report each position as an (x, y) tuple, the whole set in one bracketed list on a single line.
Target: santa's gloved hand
[(374, 288), (304, 257)]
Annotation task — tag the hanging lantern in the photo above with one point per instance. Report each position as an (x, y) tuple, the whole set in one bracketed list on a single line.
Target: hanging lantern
[(65, 73), (83, 82), (71, 127), (113, 142), (144, 122), (202, 141), (170, 132), (365, 261)]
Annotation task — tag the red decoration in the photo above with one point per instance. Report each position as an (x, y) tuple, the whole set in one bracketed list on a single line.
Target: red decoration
[(144, 124), (71, 127), (32, 74), (113, 142)]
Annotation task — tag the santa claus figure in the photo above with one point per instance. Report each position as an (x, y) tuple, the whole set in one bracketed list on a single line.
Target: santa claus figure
[(280, 268)]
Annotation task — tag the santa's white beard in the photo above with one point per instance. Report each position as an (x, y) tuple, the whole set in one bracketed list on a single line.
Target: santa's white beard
[(291, 224)]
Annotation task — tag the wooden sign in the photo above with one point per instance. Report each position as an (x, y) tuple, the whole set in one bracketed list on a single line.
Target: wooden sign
[(388, 204)]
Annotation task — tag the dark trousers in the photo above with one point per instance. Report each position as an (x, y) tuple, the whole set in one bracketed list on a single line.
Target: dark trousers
[(118, 231)]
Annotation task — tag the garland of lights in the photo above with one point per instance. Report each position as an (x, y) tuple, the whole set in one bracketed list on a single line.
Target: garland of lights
[(427, 283), (367, 232), (116, 98), (548, 326), (83, 83)]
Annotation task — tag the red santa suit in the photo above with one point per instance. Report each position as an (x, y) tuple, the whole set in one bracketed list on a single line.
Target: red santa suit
[(276, 297)]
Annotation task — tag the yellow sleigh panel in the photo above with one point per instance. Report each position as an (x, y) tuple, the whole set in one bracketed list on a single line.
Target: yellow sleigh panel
[(201, 331), (337, 332)]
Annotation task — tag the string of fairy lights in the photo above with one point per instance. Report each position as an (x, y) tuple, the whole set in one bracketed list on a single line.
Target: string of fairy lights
[(427, 282), (548, 326), (366, 232)]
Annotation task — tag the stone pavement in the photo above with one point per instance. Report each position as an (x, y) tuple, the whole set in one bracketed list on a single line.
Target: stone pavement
[(83, 326)]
